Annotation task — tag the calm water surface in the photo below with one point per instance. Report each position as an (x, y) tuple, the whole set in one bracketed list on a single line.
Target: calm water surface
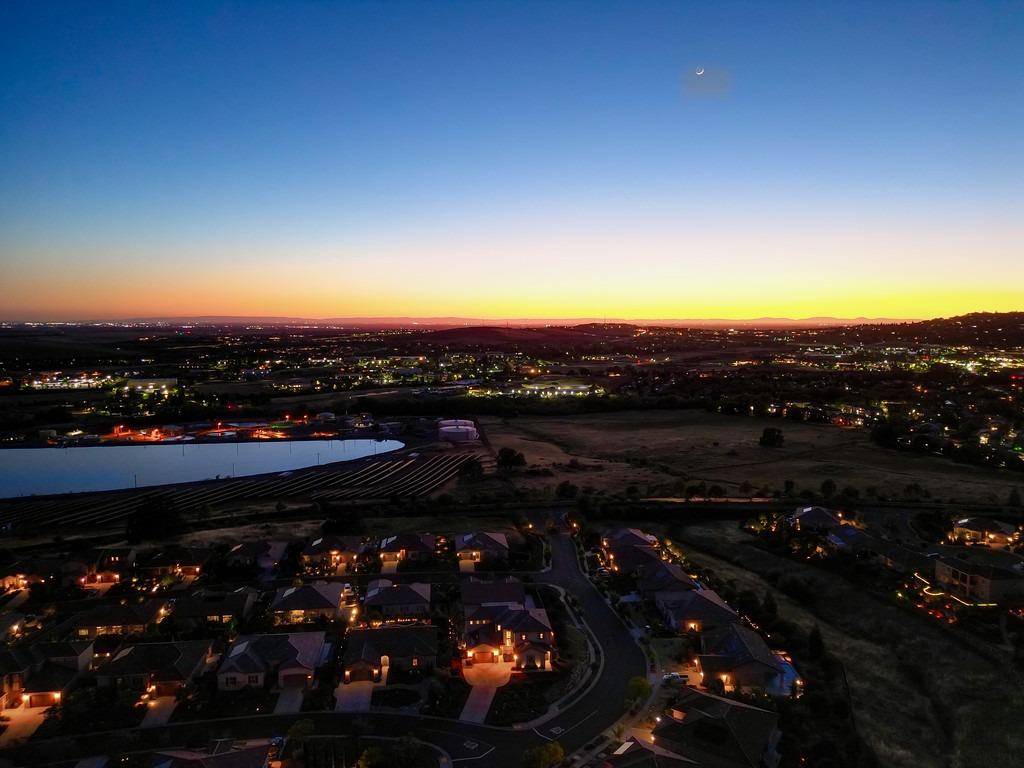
[(26, 471)]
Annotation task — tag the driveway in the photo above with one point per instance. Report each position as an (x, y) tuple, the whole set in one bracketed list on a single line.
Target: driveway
[(478, 703), (467, 566), (389, 567), (23, 723), (486, 679), (19, 597), (159, 711), (354, 697), (289, 702)]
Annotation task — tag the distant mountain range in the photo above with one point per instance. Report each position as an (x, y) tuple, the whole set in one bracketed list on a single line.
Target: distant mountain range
[(468, 322)]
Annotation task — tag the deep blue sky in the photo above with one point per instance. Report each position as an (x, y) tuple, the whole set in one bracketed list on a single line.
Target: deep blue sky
[(443, 140)]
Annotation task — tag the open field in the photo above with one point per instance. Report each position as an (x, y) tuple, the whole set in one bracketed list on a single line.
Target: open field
[(666, 447), (917, 692)]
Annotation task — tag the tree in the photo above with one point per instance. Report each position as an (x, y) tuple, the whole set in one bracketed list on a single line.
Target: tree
[(769, 610), (299, 732), (509, 458), (545, 756), (1014, 499), (771, 437), (566, 490), (637, 689), (828, 488)]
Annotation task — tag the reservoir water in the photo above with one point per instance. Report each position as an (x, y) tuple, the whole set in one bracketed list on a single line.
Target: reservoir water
[(28, 471)]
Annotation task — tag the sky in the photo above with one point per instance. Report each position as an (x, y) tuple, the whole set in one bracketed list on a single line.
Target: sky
[(511, 159)]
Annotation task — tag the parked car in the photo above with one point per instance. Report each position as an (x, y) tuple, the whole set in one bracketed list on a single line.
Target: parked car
[(675, 677)]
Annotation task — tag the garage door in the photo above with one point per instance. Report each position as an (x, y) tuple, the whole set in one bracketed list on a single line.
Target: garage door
[(483, 657), (40, 700), (294, 681), (358, 674)]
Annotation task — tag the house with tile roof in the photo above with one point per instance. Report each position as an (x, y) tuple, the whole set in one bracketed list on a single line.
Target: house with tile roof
[(118, 619), (285, 660), (335, 554), (161, 669), (40, 674), (481, 546), (716, 732), (310, 602), (695, 610), (408, 546), (499, 626), (738, 656), (370, 652), (387, 601)]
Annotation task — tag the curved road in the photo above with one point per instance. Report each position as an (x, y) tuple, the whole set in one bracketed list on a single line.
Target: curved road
[(470, 744)]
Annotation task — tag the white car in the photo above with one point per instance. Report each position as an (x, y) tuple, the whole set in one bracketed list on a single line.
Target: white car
[(675, 677)]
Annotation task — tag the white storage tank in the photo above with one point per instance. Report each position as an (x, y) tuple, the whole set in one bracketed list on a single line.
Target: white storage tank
[(458, 433), (441, 424)]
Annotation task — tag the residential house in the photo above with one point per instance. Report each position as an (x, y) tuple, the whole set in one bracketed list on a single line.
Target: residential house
[(847, 538), (109, 565), (697, 610), (287, 660), (815, 519), (633, 753), (118, 619), (40, 674), (739, 657), (25, 572), (336, 554), (985, 530), (620, 538), (657, 576), (160, 669), (310, 602), (369, 653), (222, 753), (387, 601), (709, 730), (408, 546), (11, 625), (214, 607), (980, 575), (173, 560), (499, 627), (265, 555), (506, 592), (482, 546)]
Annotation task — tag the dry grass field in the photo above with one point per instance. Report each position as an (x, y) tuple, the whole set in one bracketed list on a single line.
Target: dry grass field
[(695, 445)]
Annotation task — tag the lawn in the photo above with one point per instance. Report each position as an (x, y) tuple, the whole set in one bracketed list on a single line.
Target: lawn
[(208, 705)]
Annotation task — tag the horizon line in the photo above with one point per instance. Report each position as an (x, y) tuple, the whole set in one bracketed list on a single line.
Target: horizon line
[(471, 320)]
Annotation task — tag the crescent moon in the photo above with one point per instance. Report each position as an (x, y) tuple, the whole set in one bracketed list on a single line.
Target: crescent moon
[(700, 71)]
